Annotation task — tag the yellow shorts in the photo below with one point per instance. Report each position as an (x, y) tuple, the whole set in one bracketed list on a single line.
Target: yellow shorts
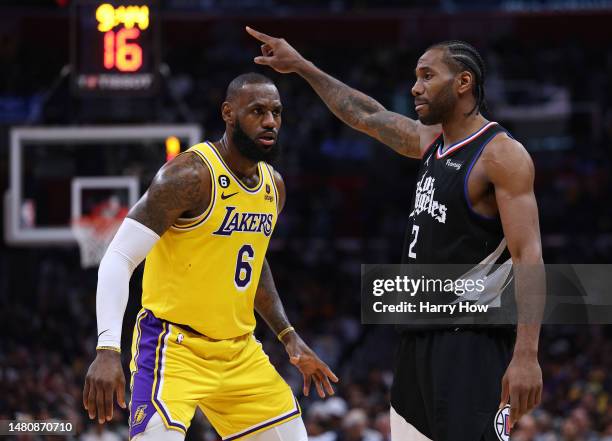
[(173, 370)]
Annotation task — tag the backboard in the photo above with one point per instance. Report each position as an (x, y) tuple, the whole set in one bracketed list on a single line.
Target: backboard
[(51, 166)]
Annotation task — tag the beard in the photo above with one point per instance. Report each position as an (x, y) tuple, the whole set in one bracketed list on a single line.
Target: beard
[(251, 150), (441, 107)]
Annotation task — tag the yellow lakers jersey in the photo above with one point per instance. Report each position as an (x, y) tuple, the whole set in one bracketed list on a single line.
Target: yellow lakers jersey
[(204, 271)]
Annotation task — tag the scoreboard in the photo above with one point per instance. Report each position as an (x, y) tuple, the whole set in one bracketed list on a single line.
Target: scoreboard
[(114, 47)]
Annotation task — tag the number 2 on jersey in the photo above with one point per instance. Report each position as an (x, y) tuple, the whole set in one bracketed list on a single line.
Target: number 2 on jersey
[(415, 233), (244, 270)]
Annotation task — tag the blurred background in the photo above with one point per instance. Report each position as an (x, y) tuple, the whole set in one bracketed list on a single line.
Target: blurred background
[(549, 82)]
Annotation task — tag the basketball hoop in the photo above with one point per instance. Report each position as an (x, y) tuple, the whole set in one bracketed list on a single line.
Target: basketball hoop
[(95, 226), (95, 231)]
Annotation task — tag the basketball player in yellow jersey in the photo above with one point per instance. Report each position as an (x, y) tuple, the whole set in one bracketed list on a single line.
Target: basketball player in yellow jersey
[(204, 226)]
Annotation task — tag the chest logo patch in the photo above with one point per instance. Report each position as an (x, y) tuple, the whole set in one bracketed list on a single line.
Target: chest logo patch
[(425, 201)]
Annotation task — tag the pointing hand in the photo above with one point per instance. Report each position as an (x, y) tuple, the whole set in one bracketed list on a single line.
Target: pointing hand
[(277, 53)]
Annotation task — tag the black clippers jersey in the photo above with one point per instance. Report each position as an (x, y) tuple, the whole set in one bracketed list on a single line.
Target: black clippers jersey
[(444, 229)]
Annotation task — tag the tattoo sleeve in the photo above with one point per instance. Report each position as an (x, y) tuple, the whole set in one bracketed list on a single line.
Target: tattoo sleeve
[(364, 113), (181, 185), (267, 302)]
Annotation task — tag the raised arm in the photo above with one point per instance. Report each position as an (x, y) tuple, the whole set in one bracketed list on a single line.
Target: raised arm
[(361, 112), (181, 186), (511, 171)]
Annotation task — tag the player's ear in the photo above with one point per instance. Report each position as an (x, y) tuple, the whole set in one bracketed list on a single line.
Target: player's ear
[(227, 113), (465, 81)]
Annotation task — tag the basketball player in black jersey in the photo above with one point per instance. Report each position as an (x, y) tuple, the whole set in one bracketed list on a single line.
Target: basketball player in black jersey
[(474, 201)]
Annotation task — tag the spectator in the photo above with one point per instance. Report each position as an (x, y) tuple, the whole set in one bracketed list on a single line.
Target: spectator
[(355, 427)]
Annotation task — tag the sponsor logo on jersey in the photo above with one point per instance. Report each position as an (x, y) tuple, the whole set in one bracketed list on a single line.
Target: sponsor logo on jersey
[(454, 164), (502, 423), (425, 201), (179, 338), (139, 415), (236, 221), (227, 196)]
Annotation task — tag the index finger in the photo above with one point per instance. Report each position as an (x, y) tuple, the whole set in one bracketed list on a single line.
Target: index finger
[(260, 35), (328, 372)]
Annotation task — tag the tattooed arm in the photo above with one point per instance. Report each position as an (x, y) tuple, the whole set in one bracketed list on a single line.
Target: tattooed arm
[(404, 135), (267, 302), (181, 187), (365, 114), (269, 306)]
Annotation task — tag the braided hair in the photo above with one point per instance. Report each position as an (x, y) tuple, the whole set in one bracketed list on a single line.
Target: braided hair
[(459, 56)]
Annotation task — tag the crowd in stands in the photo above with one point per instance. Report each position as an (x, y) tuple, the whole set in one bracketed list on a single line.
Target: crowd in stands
[(348, 202), (48, 327)]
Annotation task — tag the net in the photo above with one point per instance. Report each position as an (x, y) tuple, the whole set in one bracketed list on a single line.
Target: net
[(94, 234), (95, 231)]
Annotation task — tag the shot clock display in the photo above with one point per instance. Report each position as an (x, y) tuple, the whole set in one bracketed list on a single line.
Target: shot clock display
[(115, 49)]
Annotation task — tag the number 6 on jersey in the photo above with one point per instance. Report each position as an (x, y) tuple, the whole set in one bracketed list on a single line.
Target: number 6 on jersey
[(244, 270)]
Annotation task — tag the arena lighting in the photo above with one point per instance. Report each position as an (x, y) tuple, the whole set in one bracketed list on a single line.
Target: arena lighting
[(173, 148)]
